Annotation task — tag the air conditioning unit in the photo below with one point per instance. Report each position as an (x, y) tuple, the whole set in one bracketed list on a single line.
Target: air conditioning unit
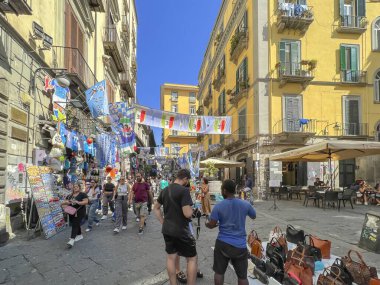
[(38, 31), (47, 42)]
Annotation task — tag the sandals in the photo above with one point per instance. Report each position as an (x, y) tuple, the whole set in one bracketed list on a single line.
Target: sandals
[(181, 277)]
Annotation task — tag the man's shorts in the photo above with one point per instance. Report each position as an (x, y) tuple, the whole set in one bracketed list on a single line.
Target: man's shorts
[(224, 252), (141, 209), (184, 246)]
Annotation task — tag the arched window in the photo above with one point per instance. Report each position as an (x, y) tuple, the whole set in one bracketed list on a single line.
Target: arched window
[(376, 34), (376, 86)]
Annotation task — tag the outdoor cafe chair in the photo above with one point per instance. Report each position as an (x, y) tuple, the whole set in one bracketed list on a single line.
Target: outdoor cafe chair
[(311, 195), (283, 191), (330, 198), (347, 195), (295, 191)]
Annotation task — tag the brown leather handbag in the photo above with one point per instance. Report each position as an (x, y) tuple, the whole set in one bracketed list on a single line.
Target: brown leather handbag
[(280, 236), (359, 270), (323, 245), (330, 277), (298, 256), (374, 281), (255, 244)]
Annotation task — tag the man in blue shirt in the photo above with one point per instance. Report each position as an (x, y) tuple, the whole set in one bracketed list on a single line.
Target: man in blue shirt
[(230, 244)]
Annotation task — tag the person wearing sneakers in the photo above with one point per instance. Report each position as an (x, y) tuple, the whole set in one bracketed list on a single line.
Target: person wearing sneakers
[(93, 193), (78, 200), (121, 201), (141, 193), (108, 189)]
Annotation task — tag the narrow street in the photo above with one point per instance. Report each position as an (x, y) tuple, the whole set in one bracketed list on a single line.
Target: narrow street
[(127, 258)]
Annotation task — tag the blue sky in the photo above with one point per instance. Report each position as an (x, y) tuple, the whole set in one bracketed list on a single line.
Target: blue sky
[(171, 41)]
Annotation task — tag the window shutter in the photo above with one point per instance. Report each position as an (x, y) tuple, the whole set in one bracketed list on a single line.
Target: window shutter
[(354, 58), (361, 8), (342, 57), (245, 69), (341, 7), (377, 90), (354, 111), (237, 80), (282, 52), (295, 52)]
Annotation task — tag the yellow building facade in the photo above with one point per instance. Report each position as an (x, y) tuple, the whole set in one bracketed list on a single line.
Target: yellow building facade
[(179, 98), (291, 73)]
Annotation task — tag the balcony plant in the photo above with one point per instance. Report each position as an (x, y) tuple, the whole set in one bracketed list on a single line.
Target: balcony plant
[(211, 170)]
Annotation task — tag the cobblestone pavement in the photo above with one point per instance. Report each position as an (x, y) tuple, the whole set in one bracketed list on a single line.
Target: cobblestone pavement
[(127, 258)]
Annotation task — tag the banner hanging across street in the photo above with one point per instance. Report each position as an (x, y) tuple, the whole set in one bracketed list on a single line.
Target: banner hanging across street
[(182, 122)]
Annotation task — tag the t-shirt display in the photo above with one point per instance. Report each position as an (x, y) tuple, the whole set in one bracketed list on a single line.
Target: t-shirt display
[(46, 196), (173, 198)]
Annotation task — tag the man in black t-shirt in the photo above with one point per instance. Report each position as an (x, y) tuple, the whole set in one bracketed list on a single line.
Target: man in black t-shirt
[(179, 241)]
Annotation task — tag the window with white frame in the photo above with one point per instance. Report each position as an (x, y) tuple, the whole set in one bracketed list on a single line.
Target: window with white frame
[(192, 110), (376, 34), (174, 108), (192, 97), (376, 86), (174, 96), (174, 148)]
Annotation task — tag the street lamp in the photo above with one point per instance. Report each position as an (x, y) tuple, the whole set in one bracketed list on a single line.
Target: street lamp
[(336, 128), (62, 81)]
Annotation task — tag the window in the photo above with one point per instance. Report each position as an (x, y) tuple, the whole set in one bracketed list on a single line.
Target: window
[(376, 35), (244, 23), (351, 116), (222, 103), (174, 96), (290, 57), (174, 148), (349, 63), (242, 76), (376, 85), (377, 131), (242, 124), (174, 133), (174, 108), (221, 140), (192, 97), (192, 110), (292, 113), (221, 66), (352, 13)]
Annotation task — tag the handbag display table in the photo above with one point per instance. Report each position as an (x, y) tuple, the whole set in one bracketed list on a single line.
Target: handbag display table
[(253, 281)]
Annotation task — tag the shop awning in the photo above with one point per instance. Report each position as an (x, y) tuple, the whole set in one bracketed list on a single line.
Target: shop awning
[(330, 150), (222, 163)]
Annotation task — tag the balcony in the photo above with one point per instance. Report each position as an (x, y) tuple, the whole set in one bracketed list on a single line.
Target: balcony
[(294, 131), (18, 7), (207, 100), (290, 72), (78, 70), (125, 24), (236, 138), (97, 5), (239, 92), (126, 84), (357, 77), (112, 47), (174, 98), (219, 80), (352, 24), (354, 130), (293, 16), (200, 111), (239, 42)]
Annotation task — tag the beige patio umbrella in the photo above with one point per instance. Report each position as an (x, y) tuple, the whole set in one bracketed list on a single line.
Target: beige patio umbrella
[(328, 151), (222, 163)]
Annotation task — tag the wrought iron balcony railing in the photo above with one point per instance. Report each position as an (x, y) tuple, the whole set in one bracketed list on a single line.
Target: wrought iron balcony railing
[(294, 16), (353, 76), (352, 24), (295, 72), (239, 42)]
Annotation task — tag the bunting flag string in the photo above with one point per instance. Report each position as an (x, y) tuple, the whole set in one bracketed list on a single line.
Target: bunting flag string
[(182, 122)]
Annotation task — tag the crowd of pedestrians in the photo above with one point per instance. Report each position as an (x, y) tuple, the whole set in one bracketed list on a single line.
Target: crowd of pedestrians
[(174, 209)]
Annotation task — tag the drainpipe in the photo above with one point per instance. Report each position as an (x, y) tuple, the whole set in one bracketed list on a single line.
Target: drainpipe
[(96, 41)]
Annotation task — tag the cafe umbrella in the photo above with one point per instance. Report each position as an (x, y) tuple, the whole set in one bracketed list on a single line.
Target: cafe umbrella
[(329, 150)]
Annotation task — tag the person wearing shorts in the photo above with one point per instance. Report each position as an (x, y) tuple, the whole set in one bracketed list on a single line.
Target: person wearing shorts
[(140, 194), (179, 241), (230, 244)]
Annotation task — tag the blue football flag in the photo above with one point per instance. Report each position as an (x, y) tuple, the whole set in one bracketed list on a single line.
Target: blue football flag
[(96, 98)]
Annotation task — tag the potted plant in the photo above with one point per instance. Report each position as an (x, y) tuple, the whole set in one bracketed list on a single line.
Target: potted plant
[(211, 170), (312, 64)]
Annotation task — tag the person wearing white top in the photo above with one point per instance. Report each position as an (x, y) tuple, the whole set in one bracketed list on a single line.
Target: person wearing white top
[(121, 198), (93, 193)]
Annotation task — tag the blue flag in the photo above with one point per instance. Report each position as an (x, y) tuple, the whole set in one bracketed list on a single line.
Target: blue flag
[(96, 98)]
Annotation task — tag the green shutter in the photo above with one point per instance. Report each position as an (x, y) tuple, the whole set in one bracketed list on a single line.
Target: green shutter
[(354, 58), (282, 52), (361, 8), (295, 52), (341, 7), (237, 80), (342, 57), (245, 69)]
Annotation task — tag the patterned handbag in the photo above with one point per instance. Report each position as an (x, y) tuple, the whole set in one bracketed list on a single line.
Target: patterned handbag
[(330, 277), (359, 270)]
